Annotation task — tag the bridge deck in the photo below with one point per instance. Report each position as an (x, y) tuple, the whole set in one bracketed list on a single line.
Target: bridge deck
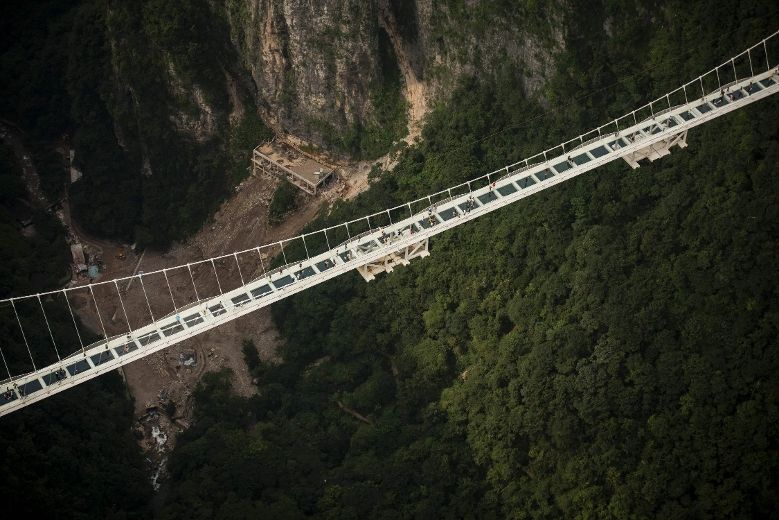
[(450, 208)]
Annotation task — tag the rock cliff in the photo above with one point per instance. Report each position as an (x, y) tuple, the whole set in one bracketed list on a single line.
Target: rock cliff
[(166, 94), (332, 70)]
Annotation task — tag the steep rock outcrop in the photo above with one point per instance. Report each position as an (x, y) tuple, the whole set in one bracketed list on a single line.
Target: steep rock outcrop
[(182, 78), (314, 63)]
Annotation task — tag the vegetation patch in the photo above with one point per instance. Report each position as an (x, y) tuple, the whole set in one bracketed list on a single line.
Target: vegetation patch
[(285, 200)]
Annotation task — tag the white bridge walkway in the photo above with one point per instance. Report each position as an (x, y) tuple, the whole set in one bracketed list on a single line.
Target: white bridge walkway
[(371, 245)]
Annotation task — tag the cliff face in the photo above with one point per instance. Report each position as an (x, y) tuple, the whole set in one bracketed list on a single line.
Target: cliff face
[(189, 86), (314, 63), (318, 65), (332, 70), (452, 39)]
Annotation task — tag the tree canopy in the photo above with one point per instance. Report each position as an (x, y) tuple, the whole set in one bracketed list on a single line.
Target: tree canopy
[(605, 349)]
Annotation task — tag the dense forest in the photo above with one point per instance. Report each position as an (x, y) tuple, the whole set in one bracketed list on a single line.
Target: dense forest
[(63, 62), (605, 349), (72, 455)]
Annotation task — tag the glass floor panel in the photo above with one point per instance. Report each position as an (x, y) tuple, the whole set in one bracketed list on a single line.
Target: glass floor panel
[(619, 143), (149, 338), (239, 300), (30, 387), (173, 328), (506, 190), (324, 265), (581, 159), (560, 167), (126, 349), (526, 182), (103, 357), (78, 367), (428, 222), (544, 175), (367, 247), (670, 122), (305, 273), (260, 291), (448, 214), (52, 377), (6, 398), (720, 101), (217, 310), (487, 197), (467, 206), (193, 319), (282, 282)]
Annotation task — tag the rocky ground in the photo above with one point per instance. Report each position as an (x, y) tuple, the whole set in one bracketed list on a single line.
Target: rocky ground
[(162, 384)]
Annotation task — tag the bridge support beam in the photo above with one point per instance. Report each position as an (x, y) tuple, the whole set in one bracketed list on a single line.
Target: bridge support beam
[(656, 150), (387, 263)]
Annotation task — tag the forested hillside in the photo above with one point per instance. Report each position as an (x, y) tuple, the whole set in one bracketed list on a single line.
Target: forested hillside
[(72, 455), (606, 349)]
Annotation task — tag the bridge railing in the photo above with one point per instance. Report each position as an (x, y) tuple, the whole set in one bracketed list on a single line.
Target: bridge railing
[(569, 145), (755, 59)]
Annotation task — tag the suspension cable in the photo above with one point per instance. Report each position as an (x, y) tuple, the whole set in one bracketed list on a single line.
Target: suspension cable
[(217, 277), (124, 311), (167, 282), (197, 297), (238, 264), (259, 253), (143, 287), (10, 377), (75, 325), (56, 350), (99, 317), (24, 336)]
